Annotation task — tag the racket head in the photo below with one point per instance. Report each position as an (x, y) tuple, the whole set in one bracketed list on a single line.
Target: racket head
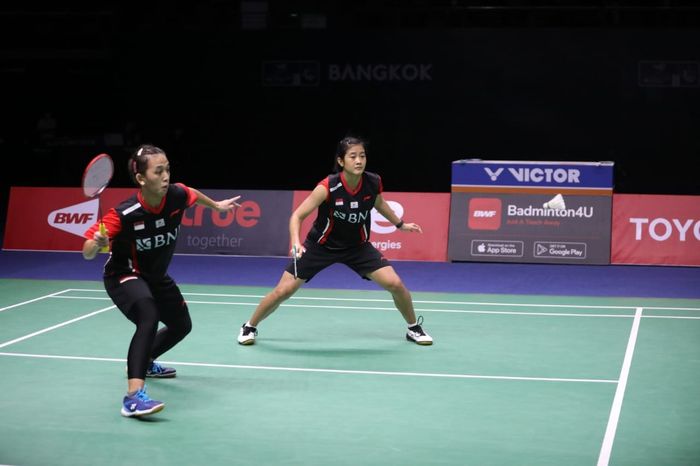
[(97, 175)]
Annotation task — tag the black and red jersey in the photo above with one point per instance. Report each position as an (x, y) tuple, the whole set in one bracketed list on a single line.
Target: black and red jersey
[(142, 238), (344, 218)]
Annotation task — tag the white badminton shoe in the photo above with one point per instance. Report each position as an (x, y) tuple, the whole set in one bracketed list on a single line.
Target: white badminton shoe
[(417, 335), (247, 334)]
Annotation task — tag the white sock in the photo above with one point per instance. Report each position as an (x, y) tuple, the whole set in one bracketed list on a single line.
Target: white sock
[(247, 324), (413, 324)]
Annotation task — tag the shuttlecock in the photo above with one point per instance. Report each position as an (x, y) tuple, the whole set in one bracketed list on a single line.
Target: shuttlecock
[(556, 203)]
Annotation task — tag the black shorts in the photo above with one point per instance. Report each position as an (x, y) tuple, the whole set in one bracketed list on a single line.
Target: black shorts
[(126, 290), (363, 259)]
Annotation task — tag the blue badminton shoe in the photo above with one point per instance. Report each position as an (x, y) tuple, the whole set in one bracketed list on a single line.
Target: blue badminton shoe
[(140, 404), (157, 371)]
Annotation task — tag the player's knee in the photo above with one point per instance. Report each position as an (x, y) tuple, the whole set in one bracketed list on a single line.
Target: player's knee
[(144, 313), (283, 292), (183, 328), (185, 325), (395, 285)]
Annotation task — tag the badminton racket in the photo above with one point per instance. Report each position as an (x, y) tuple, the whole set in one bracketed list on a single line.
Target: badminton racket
[(96, 177), (294, 255)]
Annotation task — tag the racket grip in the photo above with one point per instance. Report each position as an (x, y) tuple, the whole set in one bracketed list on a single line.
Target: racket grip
[(294, 255), (103, 231)]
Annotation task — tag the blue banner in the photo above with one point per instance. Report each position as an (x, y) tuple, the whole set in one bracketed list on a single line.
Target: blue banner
[(514, 174)]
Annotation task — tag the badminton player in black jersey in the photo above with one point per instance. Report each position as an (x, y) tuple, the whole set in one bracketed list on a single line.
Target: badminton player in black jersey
[(340, 234), (141, 233)]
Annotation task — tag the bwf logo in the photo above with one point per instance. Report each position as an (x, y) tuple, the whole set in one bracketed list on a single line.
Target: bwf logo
[(75, 219), (484, 213)]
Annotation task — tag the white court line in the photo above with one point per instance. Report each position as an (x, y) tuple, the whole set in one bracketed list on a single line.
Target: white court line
[(453, 311), (52, 295), (475, 303), (53, 327), (369, 308), (609, 438), (672, 317), (449, 311), (330, 371), (93, 298)]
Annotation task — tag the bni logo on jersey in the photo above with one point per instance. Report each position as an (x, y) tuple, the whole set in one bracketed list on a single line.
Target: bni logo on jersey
[(484, 213)]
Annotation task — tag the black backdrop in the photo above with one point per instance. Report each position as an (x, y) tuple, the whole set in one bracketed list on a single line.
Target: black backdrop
[(238, 109)]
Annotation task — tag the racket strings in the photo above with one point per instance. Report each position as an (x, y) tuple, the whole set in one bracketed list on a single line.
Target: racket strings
[(97, 175)]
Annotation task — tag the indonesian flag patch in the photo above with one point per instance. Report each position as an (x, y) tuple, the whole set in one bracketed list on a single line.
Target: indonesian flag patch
[(339, 202), (139, 226)]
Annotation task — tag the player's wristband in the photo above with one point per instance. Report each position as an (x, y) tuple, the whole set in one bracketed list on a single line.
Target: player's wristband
[(399, 225)]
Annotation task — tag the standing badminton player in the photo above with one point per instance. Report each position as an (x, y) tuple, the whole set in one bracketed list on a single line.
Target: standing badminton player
[(340, 234), (141, 233)]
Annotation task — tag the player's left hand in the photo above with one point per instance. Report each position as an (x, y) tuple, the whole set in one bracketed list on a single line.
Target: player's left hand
[(411, 227), (227, 204)]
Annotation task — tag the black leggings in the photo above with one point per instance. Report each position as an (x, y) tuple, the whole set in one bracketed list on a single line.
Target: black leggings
[(145, 304), (148, 342)]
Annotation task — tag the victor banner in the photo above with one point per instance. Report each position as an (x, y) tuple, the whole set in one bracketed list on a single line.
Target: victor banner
[(510, 211)]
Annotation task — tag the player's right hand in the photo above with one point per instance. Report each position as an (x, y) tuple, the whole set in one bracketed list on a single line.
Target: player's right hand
[(102, 240), (299, 249)]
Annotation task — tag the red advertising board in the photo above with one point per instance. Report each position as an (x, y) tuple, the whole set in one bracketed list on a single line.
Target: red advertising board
[(53, 219), (656, 230), (429, 210)]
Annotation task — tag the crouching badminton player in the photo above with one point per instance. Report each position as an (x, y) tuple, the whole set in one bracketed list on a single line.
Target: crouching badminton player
[(340, 234), (141, 234)]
